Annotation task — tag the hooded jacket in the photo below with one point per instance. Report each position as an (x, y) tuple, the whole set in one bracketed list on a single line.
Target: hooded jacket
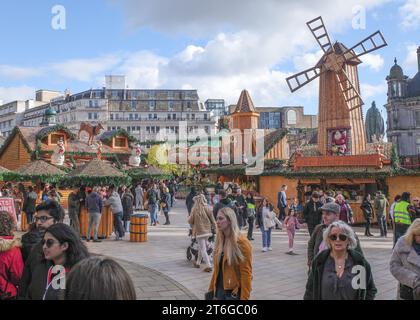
[(114, 202), (201, 218), (11, 267), (380, 205)]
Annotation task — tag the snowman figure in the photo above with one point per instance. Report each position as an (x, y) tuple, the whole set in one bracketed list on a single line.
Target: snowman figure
[(135, 158), (58, 157)]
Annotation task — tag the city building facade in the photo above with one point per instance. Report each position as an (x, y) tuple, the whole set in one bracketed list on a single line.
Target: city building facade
[(403, 110)]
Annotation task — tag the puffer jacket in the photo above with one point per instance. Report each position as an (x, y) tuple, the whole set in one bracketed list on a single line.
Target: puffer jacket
[(114, 202), (405, 265), (11, 267), (243, 270), (202, 222)]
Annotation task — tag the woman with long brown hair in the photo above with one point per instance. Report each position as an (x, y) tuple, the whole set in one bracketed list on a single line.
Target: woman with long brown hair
[(232, 260)]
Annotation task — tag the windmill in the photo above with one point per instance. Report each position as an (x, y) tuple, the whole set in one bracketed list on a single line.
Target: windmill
[(340, 124)]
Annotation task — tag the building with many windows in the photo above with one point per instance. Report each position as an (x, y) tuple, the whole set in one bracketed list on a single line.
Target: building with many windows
[(403, 110), (217, 107), (143, 113)]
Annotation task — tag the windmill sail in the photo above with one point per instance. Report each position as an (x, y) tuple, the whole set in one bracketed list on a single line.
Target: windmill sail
[(374, 42), (320, 33), (300, 79)]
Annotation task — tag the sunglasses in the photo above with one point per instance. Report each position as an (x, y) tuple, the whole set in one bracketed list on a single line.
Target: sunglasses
[(49, 242), (334, 237), (43, 218)]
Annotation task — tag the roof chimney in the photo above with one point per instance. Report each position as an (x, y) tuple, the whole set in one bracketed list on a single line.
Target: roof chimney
[(418, 57)]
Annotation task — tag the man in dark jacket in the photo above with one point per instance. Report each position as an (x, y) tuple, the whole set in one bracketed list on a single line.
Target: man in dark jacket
[(225, 201), (330, 213), (35, 271), (29, 204), (311, 212), (241, 206), (94, 207), (282, 202), (74, 207), (189, 200)]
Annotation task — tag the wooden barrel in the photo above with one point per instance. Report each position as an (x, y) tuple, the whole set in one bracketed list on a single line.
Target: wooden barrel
[(105, 225), (23, 222), (138, 227)]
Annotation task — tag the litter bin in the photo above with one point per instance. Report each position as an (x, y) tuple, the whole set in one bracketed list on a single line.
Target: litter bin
[(138, 227)]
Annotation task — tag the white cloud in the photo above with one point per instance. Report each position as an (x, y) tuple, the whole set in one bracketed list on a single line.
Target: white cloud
[(372, 61), (410, 14), (84, 69), (411, 58), (371, 90), (13, 72), (8, 94), (307, 60)]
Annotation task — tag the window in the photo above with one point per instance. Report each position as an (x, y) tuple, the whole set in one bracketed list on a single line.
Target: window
[(136, 116), (131, 116), (148, 129), (291, 117), (138, 129), (128, 129), (170, 105), (55, 137), (90, 116), (169, 116), (120, 142), (117, 116), (205, 116), (418, 144), (95, 116), (155, 116), (133, 105), (150, 116), (207, 129), (417, 118), (188, 116), (90, 104), (152, 104), (157, 129), (174, 116)]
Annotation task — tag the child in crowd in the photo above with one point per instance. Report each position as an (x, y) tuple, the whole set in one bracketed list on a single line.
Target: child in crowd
[(292, 223)]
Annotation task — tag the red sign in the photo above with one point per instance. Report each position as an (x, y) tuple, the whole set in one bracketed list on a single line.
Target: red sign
[(8, 205)]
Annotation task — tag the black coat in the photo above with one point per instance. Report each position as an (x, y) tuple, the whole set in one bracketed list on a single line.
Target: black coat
[(312, 213), (35, 274), (314, 284), (127, 202), (29, 240), (189, 201), (367, 209), (226, 202)]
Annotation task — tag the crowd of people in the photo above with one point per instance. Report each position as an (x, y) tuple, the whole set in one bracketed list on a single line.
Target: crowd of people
[(51, 252)]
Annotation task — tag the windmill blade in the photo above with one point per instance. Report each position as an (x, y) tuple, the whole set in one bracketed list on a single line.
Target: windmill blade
[(349, 91), (374, 42), (300, 79), (320, 33)]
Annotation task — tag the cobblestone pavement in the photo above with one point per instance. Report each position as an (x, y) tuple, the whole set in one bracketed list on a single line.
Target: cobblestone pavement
[(160, 269)]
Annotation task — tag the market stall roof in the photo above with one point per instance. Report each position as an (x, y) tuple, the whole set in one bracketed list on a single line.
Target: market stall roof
[(96, 168), (40, 168)]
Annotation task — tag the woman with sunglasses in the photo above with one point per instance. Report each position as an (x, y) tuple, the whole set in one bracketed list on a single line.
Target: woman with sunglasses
[(62, 249), (340, 272)]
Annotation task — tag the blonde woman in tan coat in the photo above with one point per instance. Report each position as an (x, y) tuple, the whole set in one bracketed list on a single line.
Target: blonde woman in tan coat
[(202, 223)]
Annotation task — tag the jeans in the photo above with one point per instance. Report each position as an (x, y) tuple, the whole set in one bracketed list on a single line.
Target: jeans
[(282, 214), (94, 220), (29, 217), (154, 209), (250, 226), (266, 237), (367, 226), (127, 225), (139, 202), (117, 224), (400, 230), (382, 225)]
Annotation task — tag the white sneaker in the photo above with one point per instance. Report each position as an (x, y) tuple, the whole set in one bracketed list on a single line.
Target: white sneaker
[(270, 249), (264, 249)]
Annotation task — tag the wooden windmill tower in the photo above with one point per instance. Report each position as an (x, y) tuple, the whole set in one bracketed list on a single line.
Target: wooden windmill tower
[(340, 125)]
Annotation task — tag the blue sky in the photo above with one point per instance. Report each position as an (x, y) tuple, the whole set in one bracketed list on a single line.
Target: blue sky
[(218, 47)]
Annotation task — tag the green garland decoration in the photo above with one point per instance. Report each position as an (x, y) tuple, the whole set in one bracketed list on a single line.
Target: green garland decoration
[(89, 181), (17, 177), (120, 132), (43, 133), (141, 173)]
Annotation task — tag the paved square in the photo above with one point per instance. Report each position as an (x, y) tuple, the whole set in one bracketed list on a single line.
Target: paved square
[(161, 270)]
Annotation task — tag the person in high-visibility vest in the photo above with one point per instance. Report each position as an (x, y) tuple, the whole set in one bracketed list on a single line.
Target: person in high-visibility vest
[(403, 216)]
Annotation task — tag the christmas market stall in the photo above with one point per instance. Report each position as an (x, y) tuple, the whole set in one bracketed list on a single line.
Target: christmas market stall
[(96, 173)]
